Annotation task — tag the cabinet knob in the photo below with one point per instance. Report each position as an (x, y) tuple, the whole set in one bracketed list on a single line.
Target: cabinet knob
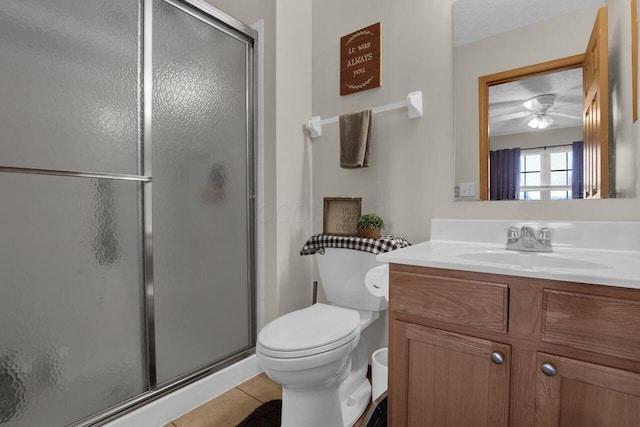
[(548, 369), (497, 358)]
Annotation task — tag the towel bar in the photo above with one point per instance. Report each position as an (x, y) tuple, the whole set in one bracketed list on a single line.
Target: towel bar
[(413, 104)]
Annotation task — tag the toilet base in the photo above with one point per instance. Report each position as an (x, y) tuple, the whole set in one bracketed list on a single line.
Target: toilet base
[(337, 403), (355, 391), (353, 409), (321, 407), (311, 407)]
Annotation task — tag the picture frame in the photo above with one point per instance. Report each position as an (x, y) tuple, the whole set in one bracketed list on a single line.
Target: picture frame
[(340, 215)]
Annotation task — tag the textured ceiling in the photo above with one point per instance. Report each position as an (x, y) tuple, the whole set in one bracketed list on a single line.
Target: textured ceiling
[(477, 19)]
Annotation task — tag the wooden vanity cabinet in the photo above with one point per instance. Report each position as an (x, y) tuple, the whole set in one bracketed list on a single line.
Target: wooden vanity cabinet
[(475, 349), (585, 394), (448, 379)]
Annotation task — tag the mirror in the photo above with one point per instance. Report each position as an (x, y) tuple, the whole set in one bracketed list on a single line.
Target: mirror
[(537, 112)]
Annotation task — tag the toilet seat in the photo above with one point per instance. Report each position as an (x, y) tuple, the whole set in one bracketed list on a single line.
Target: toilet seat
[(310, 331)]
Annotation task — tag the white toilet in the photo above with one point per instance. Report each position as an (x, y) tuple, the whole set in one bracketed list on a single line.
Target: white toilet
[(317, 353)]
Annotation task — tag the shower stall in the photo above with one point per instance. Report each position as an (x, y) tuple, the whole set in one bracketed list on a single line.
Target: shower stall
[(126, 203)]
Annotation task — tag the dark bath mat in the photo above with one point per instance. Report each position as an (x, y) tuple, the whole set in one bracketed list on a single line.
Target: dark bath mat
[(266, 415)]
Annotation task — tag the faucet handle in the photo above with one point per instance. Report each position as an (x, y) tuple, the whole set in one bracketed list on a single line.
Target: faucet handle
[(513, 233), (544, 235)]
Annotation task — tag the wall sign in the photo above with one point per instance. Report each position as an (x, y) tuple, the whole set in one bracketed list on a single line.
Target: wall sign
[(341, 215), (360, 60)]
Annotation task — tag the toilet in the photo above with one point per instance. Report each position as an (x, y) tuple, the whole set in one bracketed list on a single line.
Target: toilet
[(317, 354)]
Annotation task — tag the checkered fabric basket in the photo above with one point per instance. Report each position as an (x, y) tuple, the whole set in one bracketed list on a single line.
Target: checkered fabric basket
[(318, 242)]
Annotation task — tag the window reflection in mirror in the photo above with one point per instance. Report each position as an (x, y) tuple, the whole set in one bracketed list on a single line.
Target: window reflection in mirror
[(507, 40), (546, 173)]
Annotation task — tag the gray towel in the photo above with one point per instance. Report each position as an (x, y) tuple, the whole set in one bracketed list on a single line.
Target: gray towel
[(355, 131)]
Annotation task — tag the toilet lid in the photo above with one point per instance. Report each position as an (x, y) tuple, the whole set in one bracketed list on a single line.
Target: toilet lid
[(311, 327)]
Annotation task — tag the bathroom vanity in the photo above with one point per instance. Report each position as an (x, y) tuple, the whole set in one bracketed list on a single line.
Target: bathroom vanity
[(480, 336)]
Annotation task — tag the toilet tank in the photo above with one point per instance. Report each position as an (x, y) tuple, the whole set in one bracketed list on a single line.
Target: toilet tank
[(342, 274)]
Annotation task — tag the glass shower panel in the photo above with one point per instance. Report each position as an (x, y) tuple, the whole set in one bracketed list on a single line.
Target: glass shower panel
[(200, 210), (71, 341), (69, 85)]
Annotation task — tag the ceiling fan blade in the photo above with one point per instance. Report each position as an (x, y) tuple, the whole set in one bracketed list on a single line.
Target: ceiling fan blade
[(567, 116), (509, 116), (539, 102)]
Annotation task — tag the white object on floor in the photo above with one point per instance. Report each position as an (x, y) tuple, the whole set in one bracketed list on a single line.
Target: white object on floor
[(379, 372)]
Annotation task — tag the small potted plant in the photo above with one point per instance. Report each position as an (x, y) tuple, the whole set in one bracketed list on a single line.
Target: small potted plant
[(369, 226)]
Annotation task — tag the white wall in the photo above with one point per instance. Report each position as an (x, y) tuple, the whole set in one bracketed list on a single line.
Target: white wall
[(293, 154), (286, 216), (624, 133), (537, 139), (399, 184), (411, 179)]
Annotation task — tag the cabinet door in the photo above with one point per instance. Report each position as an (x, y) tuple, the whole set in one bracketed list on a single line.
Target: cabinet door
[(442, 379), (573, 393)]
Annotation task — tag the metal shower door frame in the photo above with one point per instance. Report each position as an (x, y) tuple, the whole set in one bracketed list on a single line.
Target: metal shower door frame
[(242, 32)]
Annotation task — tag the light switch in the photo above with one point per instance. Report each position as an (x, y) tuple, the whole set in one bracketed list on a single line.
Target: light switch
[(467, 189)]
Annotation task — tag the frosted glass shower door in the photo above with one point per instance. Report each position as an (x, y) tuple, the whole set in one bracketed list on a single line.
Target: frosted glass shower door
[(69, 84), (72, 337), (71, 342), (126, 203), (201, 211)]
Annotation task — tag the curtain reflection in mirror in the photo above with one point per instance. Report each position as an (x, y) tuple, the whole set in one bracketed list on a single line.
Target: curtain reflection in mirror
[(505, 174), (577, 181)]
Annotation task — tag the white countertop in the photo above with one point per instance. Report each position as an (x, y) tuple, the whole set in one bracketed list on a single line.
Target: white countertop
[(585, 263)]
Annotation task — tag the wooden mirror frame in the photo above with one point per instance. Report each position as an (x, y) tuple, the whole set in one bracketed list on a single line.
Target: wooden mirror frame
[(484, 82)]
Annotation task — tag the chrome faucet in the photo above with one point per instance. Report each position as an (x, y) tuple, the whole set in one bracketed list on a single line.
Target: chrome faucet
[(525, 239)]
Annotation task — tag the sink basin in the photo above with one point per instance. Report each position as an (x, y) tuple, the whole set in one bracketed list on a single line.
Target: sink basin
[(599, 253), (530, 260)]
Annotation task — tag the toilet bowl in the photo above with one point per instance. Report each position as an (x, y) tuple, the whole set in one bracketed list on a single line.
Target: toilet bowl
[(317, 353), (309, 352)]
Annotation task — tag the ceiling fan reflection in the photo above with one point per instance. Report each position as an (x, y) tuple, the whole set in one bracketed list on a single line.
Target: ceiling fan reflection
[(539, 110)]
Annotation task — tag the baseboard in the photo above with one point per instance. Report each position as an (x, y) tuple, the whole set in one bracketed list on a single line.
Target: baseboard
[(172, 406)]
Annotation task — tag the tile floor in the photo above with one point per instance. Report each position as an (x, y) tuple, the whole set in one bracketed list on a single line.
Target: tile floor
[(228, 409)]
